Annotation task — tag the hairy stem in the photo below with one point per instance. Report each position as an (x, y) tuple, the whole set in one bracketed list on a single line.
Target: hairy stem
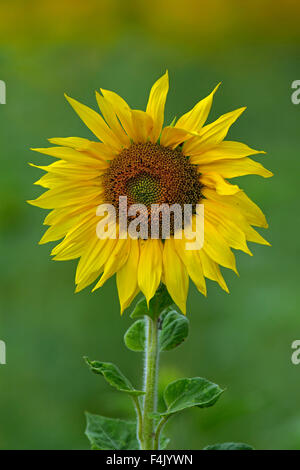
[(151, 369)]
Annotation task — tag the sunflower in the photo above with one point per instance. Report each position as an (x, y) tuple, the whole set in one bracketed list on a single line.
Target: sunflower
[(186, 162)]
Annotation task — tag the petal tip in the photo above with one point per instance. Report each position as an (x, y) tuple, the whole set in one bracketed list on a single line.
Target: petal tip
[(217, 87), (69, 99), (32, 202), (183, 309), (122, 308), (77, 289)]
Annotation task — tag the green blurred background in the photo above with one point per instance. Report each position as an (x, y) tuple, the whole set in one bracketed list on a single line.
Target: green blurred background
[(242, 341)]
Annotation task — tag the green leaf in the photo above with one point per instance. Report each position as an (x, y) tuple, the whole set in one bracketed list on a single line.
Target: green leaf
[(157, 304), (187, 393), (229, 446), (175, 328), (135, 336), (140, 309), (113, 376), (110, 434), (114, 434), (164, 442)]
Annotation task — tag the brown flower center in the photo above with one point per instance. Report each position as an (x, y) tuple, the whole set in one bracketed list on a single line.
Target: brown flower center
[(152, 174)]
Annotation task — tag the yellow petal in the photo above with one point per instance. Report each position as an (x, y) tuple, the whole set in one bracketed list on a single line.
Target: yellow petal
[(71, 155), (142, 126), (224, 150), (93, 258), (227, 228), (73, 245), (150, 267), (216, 181), (233, 168), (64, 222), (242, 203), (116, 260), (175, 275), (192, 261), (194, 119), (95, 149), (64, 196), (127, 283), (72, 170), (95, 123), (217, 248), (212, 134), (89, 279), (72, 251), (110, 117), (78, 237), (121, 109), (156, 105), (59, 215), (56, 215), (56, 232), (212, 271), (172, 136), (239, 219), (255, 237), (52, 180)]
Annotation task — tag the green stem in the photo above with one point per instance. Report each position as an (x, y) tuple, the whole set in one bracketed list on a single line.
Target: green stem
[(151, 369)]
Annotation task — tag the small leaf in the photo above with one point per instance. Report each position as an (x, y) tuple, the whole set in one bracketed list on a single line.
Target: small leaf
[(164, 442), (175, 328), (111, 434), (229, 446), (158, 303), (113, 376), (187, 393), (135, 336), (140, 309)]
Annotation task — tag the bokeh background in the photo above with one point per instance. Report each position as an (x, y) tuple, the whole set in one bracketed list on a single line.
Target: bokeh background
[(242, 341)]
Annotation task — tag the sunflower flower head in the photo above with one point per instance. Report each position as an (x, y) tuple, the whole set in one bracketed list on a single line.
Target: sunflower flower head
[(133, 155)]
